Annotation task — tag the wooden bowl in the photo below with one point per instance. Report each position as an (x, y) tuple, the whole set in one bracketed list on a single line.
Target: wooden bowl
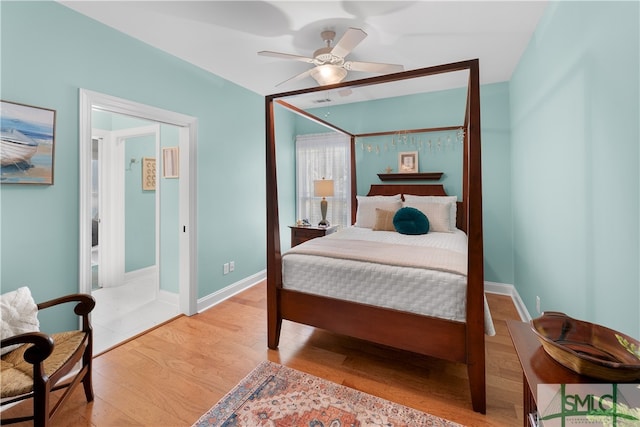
[(588, 349)]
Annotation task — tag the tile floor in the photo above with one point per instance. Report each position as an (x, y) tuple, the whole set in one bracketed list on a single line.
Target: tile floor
[(124, 311)]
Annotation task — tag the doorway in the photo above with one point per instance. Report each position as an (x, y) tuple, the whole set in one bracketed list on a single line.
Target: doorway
[(125, 218), (121, 176)]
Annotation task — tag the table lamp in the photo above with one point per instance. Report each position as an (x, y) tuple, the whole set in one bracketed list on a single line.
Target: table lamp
[(323, 188)]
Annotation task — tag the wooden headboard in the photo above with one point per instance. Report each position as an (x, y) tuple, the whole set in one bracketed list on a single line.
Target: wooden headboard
[(416, 190)]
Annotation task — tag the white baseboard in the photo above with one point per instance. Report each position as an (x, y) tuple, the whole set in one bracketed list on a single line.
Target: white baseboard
[(172, 298), (140, 274), (150, 274), (509, 290), (225, 293)]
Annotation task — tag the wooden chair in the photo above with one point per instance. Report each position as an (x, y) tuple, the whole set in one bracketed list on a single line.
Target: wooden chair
[(38, 368)]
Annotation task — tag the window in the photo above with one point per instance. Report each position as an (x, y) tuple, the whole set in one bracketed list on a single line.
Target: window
[(320, 156)]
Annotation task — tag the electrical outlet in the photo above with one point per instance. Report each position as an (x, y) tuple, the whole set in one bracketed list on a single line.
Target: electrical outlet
[(232, 266), (538, 304), (225, 268)]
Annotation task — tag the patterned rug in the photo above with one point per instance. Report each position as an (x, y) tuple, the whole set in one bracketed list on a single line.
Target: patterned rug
[(274, 395)]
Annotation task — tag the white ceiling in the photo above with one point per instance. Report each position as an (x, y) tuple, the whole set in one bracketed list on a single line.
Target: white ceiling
[(223, 37)]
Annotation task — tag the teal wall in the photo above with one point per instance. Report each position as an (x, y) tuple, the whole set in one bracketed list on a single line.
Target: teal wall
[(139, 206), (47, 68), (436, 109), (574, 165), (496, 185)]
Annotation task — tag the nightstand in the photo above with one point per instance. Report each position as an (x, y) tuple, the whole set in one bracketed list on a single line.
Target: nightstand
[(538, 368), (301, 234)]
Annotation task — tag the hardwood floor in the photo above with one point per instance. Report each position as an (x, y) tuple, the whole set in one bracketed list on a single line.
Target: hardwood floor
[(175, 373)]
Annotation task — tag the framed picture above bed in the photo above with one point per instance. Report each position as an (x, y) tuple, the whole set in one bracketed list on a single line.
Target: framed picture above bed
[(26, 144), (408, 162)]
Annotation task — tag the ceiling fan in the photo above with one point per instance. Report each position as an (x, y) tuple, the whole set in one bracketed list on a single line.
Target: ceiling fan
[(330, 66)]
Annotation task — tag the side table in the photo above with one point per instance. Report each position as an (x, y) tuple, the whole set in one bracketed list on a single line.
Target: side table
[(538, 367), (301, 234)]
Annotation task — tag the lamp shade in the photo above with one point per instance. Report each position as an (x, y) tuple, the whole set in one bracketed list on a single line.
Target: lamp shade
[(323, 188)]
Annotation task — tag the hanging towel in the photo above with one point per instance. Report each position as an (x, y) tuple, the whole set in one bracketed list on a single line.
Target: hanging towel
[(19, 315)]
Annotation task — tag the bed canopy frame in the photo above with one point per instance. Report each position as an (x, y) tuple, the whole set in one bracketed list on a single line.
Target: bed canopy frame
[(455, 341)]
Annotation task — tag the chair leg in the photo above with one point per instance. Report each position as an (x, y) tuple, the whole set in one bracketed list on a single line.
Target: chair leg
[(87, 381), (88, 388), (41, 404)]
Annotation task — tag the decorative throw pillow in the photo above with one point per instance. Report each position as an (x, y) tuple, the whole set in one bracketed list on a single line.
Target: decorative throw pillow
[(410, 221), (410, 199), (19, 315), (437, 213), (384, 220), (366, 213)]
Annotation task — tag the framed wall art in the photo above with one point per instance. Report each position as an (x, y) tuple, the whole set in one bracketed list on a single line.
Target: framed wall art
[(148, 173), (170, 162), (27, 142), (408, 162)]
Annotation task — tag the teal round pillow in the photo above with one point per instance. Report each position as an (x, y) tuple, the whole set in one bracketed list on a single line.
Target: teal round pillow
[(410, 221)]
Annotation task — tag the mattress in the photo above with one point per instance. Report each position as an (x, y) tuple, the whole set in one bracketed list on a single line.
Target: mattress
[(421, 291)]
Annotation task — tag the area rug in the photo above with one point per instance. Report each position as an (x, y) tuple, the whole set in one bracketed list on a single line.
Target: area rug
[(275, 395)]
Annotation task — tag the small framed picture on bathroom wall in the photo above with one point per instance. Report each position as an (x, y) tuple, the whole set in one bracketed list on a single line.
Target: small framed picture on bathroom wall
[(170, 162), (148, 173)]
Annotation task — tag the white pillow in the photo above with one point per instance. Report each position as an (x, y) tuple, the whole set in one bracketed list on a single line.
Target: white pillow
[(436, 213), (437, 199), (394, 197), (366, 213), (19, 315)]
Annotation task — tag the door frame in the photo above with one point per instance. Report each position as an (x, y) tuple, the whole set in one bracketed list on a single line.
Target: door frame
[(187, 125)]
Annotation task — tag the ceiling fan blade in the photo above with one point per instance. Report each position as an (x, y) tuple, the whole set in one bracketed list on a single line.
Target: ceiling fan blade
[(351, 38), (296, 78), (286, 56), (373, 67)]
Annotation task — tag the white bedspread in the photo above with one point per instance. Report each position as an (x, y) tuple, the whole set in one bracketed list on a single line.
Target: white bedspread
[(420, 290), (386, 253)]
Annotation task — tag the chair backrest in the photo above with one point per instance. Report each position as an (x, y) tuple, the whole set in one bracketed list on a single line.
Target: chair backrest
[(46, 360)]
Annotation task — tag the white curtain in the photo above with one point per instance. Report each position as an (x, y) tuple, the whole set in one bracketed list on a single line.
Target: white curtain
[(318, 156)]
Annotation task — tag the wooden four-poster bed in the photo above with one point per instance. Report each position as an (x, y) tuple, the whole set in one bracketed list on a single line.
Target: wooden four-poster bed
[(454, 340)]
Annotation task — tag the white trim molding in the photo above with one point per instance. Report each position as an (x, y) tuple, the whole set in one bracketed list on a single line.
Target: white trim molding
[(188, 190), (509, 290), (171, 298), (231, 290)]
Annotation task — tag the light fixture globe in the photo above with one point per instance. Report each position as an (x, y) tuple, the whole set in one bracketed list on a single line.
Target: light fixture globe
[(328, 74)]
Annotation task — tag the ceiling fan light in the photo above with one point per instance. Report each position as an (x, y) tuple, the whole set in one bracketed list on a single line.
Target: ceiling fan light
[(328, 74)]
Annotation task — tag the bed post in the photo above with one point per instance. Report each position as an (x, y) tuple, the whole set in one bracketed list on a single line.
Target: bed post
[(274, 259), (354, 183), (467, 338), (475, 284)]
